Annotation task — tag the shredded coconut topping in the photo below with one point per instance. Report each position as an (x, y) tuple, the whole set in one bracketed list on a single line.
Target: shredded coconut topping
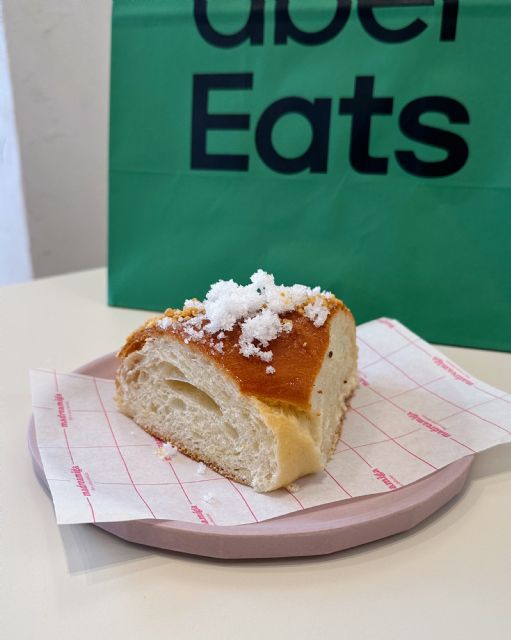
[(316, 311), (270, 369), (255, 307), (192, 332), (164, 323)]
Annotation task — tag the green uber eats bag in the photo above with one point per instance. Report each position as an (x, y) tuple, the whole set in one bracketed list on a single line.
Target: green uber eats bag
[(362, 146)]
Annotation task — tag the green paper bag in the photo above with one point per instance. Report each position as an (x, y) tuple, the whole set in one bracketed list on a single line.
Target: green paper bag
[(363, 146)]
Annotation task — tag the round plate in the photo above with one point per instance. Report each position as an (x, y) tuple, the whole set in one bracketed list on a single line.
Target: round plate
[(317, 531)]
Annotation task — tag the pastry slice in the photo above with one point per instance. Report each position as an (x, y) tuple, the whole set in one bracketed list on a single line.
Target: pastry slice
[(253, 381)]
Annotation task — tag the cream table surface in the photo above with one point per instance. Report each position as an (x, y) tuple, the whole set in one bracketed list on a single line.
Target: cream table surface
[(448, 578)]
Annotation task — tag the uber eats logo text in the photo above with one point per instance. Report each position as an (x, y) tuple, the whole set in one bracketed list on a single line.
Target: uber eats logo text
[(363, 105)]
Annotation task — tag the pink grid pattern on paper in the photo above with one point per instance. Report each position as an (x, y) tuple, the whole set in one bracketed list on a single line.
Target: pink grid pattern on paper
[(414, 412)]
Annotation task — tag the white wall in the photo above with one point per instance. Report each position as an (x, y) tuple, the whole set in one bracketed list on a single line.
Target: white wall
[(14, 249), (59, 53)]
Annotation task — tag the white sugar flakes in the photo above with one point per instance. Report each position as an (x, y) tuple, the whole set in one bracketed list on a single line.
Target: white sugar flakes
[(265, 356), (263, 327), (256, 308), (192, 332), (164, 323), (227, 302), (316, 312), (193, 303), (287, 326)]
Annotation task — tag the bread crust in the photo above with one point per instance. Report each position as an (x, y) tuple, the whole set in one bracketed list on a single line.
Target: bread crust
[(297, 357)]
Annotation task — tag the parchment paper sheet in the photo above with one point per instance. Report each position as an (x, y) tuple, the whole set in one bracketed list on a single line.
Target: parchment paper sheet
[(414, 412)]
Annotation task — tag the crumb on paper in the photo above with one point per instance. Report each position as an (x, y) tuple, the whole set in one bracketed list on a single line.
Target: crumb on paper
[(166, 451), (293, 487), (209, 497), (201, 468)]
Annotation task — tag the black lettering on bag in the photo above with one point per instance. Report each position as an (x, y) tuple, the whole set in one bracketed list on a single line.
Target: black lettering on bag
[(455, 146), (315, 157), (362, 107), (286, 29), (449, 20), (203, 121), (366, 9), (253, 31), (384, 34)]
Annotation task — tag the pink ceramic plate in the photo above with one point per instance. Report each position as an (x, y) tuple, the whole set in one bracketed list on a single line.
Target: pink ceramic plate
[(321, 530)]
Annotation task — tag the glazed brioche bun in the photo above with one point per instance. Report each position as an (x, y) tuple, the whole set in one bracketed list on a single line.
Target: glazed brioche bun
[(264, 424)]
